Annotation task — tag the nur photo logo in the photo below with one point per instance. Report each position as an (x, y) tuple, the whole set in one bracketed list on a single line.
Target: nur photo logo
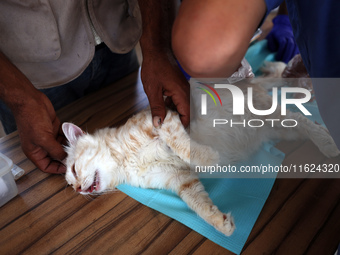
[(204, 97), (242, 99)]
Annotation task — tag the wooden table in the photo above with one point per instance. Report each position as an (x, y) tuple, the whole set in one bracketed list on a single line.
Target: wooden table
[(301, 216)]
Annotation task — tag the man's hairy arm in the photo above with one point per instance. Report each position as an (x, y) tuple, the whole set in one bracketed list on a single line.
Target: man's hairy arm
[(160, 72), (38, 125)]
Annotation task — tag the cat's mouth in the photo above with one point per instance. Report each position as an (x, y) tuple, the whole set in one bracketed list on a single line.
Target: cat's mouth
[(95, 185)]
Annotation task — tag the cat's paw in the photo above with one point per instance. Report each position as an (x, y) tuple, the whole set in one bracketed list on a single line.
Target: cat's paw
[(330, 150), (326, 143), (226, 224)]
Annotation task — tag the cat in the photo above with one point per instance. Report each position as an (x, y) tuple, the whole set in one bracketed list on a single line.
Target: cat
[(159, 158), (141, 155)]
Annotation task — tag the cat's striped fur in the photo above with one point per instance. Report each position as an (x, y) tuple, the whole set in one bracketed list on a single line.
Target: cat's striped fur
[(143, 156)]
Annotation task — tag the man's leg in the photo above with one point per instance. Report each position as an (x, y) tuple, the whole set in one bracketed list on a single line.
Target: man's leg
[(210, 38)]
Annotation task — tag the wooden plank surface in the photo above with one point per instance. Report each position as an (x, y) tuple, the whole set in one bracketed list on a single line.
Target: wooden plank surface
[(301, 216)]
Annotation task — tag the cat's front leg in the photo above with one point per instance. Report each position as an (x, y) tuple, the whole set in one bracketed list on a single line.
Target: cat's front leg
[(176, 137)]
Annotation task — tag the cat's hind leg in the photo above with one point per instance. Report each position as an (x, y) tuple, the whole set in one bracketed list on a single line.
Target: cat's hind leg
[(307, 129), (192, 192), (177, 138)]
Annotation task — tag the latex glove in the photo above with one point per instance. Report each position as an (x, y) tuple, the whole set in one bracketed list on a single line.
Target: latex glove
[(281, 39), (163, 77), (243, 72)]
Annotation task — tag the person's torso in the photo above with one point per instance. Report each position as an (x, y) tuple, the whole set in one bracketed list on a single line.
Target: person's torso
[(53, 41)]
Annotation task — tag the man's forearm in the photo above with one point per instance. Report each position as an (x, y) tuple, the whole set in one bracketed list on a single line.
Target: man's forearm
[(15, 88), (160, 73), (157, 17)]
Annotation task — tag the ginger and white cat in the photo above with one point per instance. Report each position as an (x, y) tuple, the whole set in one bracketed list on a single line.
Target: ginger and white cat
[(141, 155)]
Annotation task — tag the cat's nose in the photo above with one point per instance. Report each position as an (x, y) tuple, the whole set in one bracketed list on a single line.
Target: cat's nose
[(78, 189)]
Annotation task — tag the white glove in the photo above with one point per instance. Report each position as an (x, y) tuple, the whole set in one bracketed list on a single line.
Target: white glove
[(245, 71)]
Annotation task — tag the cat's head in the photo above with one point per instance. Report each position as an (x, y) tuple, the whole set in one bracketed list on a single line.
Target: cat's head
[(88, 162)]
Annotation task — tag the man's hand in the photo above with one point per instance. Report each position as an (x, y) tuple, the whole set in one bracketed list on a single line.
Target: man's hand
[(38, 126), (162, 77), (160, 72), (40, 133)]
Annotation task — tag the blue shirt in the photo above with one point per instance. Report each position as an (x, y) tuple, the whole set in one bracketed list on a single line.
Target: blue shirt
[(316, 27)]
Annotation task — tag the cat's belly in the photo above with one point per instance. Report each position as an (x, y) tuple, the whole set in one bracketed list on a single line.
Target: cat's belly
[(159, 174)]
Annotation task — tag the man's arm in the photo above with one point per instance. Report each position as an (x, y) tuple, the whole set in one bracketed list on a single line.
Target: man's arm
[(38, 125), (160, 72)]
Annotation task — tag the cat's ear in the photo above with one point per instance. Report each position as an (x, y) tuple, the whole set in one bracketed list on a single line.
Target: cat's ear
[(72, 132)]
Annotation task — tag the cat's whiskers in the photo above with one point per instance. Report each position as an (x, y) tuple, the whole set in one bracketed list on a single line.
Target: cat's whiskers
[(87, 182), (89, 197), (114, 190)]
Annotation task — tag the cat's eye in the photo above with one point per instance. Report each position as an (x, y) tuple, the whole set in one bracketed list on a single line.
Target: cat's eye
[(73, 169)]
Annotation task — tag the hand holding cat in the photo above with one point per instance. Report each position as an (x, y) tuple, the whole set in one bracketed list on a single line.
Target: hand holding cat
[(38, 125), (40, 133), (160, 78)]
